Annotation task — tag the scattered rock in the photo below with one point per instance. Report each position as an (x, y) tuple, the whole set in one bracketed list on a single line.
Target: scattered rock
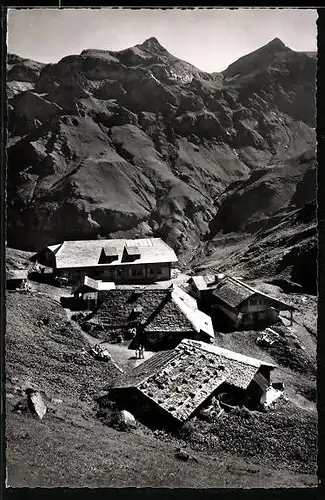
[(182, 455), (35, 403), (267, 338), (56, 401), (126, 420)]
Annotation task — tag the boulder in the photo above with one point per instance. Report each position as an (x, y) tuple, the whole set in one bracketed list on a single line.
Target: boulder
[(35, 403), (126, 420), (30, 106), (182, 455)]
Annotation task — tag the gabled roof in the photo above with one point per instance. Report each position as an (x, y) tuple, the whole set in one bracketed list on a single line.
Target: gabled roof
[(181, 379), (86, 253), (177, 292), (234, 292), (199, 320), (199, 282), (168, 310)]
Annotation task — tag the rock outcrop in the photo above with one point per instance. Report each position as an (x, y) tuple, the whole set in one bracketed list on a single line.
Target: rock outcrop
[(265, 227), (138, 142), (259, 201), (35, 403)]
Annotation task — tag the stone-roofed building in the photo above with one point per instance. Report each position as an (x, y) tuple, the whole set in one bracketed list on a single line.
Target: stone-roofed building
[(166, 316), (245, 307), (179, 382), (143, 260)]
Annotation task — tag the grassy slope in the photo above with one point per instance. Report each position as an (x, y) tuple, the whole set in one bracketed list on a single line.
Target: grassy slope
[(70, 447)]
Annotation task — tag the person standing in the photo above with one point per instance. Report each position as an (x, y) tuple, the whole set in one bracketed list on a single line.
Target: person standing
[(141, 351)]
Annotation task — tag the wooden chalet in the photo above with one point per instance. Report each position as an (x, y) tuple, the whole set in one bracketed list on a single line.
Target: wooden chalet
[(245, 307)]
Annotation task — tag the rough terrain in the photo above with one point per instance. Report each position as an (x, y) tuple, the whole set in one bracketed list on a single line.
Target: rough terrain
[(138, 142), (222, 166), (265, 226), (70, 446)]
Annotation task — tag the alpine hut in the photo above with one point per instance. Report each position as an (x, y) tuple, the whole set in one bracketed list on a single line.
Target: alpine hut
[(162, 316), (175, 384)]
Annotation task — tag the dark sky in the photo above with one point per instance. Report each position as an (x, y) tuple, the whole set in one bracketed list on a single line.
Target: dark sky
[(211, 39)]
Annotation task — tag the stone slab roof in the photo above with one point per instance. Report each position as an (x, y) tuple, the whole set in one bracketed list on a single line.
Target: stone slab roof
[(180, 380), (169, 310)]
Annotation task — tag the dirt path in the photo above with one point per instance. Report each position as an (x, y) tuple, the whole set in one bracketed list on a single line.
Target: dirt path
[(121, 354)]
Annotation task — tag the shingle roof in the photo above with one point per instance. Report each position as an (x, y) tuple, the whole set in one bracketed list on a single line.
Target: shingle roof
[(86, 253), (200, 321), (234, 292), (231, 292), (180, 380)]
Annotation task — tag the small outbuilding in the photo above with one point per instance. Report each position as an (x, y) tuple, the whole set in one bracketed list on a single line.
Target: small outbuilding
[(247, 307), (16, 278), (200, 288), (91, 290), (175, 384)]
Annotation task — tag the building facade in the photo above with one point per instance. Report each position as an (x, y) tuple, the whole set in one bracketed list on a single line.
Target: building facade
[(243, 306), (144, 260)]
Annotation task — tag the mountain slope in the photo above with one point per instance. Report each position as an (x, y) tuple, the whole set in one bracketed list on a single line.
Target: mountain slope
[(251, 204), (265, 227), (138, 142)]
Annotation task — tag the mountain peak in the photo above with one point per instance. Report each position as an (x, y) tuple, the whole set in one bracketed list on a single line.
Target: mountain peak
[(152, 44), (276, 43)]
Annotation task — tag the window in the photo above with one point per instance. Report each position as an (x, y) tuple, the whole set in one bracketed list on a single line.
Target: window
[(152, 270), (159, 270), (136, 271)]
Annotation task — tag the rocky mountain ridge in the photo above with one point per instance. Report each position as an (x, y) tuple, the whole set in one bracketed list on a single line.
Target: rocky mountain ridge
[(140, 143)]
